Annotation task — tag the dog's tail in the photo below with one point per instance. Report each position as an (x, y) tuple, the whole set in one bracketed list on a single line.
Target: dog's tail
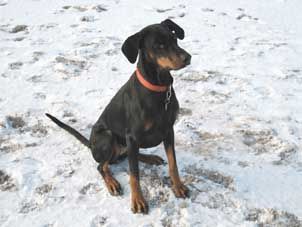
[(69, 129)]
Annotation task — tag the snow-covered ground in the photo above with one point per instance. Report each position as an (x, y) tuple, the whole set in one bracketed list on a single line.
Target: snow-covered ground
[(238, 136)]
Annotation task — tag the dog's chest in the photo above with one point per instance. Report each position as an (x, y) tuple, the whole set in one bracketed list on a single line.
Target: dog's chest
[(156, 126), (159, 121)]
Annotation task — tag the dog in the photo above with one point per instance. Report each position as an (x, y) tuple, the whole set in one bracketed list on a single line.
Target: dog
[(142, 113)]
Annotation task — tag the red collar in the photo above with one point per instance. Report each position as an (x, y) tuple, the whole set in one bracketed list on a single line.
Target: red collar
[(148, 85)]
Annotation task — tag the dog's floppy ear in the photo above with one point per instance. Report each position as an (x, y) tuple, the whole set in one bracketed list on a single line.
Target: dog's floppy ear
[(131, 46), (179, 32)]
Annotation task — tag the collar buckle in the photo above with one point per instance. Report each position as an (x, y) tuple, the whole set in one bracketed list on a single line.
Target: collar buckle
[(168, 97)]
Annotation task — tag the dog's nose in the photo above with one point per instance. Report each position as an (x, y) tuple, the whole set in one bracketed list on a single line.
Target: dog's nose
[(187, 59)]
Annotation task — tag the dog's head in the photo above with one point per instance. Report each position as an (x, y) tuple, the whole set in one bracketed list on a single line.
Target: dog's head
[(158, 44)]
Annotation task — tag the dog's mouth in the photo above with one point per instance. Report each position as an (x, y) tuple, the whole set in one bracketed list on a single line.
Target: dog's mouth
[(174, 63), (183, 61), (183, 65)]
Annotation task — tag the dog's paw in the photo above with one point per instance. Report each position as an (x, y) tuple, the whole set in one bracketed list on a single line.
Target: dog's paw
[(151, 159), (181, 191), (113, 187), (139, 205)]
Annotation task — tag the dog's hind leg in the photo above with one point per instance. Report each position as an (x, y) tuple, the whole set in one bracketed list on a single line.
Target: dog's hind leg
[(101, 141), (150, 159)]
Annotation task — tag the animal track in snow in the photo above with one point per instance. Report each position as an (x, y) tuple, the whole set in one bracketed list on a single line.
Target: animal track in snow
[(201, 174), (69, 66), (3, 2), (28, 206), (272, 217), (98, 221), (267, 141), (15, 65), (90, 188), (44, 189), (152, 184), (6, 182), (83, 8), (15, 122), (87, 19), (19, 28), (173, 12)]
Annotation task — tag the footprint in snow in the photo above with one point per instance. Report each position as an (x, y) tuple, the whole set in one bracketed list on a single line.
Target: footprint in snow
[(19, 28), (201, 174), (35, 79), (112, 52), (48, 26), (152, 180), (90, 188), (28, 206), (69, 67), (18, 123), (3, 2), (268, 142), (43, 189), (246, 17), (15, 122), (15, 65), (87, 19), (272, 217), (19, 39), (158, 10), (173, 11), (185, 111), (98, 221), (39, 95), (9, 147), (66, 171), (83, 8), (207, 10), (206, 76), (223, 14), (100, 8), (6, 182), (80, 8), (294, 75), (70, 117), (114, 69), (38, 130)]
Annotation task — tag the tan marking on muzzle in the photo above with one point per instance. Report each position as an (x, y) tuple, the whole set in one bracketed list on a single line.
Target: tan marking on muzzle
[(169, 63), (150, 55)]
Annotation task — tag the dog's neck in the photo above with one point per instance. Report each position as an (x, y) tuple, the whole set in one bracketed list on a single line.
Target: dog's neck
[(152, 73)]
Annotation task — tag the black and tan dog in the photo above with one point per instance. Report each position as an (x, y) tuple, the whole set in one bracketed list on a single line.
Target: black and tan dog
[(142, 113)]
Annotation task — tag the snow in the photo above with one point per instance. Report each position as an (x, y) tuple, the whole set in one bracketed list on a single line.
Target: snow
[(238, 137)]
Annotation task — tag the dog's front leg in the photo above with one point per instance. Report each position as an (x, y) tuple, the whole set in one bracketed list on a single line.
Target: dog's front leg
[(179, 189), (138, 203)]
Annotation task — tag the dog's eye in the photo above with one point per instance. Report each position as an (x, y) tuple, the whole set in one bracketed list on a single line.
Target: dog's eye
[(159, 46)]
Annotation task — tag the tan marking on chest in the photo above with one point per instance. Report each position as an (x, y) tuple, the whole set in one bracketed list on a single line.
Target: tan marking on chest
[(148, 125)]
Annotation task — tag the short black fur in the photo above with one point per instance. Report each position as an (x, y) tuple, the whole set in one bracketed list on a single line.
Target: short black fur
[(136, 117)]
